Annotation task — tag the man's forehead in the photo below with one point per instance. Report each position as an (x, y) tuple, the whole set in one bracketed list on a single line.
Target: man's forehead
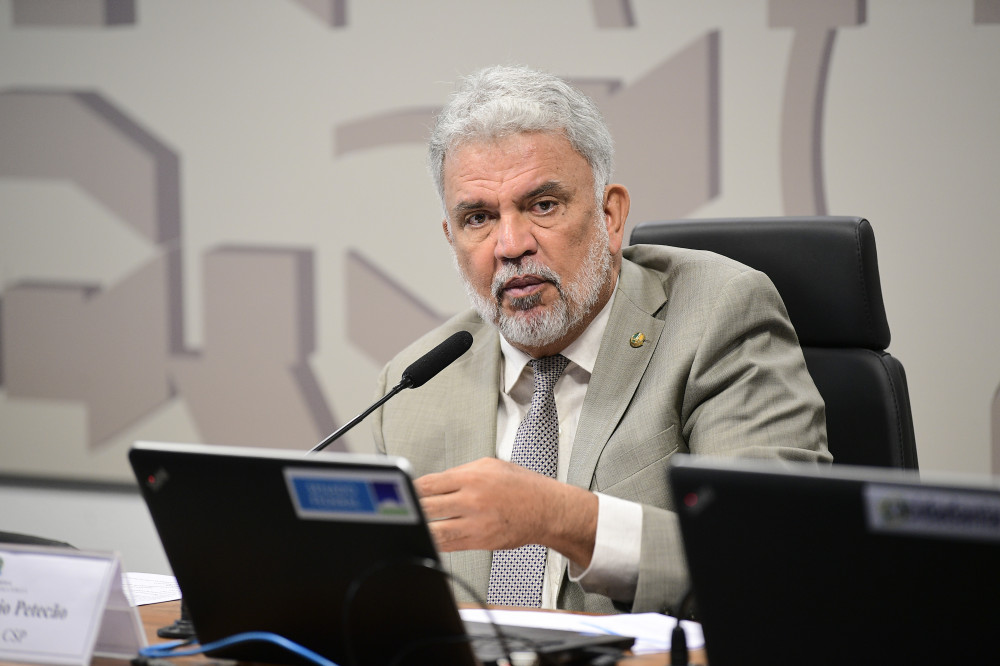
[(519, 164)]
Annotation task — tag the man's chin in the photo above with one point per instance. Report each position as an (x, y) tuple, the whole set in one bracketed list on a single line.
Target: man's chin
[(540, 319), (525, 312), (519, 304), (520, 318)]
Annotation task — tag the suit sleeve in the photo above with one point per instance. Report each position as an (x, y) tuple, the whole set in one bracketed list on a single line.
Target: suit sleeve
[(748, 394)]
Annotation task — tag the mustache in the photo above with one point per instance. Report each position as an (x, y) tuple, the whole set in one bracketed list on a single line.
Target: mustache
[(525, 266)]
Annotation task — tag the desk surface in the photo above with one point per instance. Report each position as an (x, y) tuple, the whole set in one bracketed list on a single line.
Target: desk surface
[(155, 616)]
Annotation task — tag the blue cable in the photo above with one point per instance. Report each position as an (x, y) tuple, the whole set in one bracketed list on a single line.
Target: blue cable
[(166, 650)]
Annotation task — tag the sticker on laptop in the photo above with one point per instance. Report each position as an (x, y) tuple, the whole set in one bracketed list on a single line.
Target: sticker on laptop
[(932, 512), (356, 496)]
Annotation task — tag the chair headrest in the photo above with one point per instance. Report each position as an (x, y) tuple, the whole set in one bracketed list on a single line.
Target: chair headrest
[(825, 269)]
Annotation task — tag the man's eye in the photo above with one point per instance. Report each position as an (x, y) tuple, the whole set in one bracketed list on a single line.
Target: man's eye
[(545, 206), (476, 220)]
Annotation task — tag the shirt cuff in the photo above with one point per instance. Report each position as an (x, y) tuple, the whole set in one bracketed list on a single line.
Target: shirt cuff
[(614, 567)]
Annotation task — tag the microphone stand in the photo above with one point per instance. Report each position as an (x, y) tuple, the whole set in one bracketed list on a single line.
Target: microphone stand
[(415, 376), (182, 628), (419, 372), (353, 422)]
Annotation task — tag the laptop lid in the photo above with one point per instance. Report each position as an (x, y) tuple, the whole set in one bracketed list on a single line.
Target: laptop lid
[(840, 564), (330, 550)]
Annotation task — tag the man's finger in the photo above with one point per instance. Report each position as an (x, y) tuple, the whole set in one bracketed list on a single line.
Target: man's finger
[(439, 483), (448, 535), (439, 507)]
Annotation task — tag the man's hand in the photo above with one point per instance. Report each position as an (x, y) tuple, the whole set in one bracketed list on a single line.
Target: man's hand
[(490, 504)]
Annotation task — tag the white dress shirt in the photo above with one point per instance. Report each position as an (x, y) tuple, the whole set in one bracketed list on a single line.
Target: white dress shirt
[(614, 568)]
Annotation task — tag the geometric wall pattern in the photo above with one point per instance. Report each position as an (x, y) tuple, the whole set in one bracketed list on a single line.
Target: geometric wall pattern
[(815, 25), (73, 13), (119, 350), (251, 381)]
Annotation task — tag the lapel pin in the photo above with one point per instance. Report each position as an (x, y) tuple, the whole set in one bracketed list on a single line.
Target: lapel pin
[(637, 340)]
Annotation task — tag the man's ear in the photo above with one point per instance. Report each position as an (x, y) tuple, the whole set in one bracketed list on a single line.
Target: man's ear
[(447, 231), (616, 205)]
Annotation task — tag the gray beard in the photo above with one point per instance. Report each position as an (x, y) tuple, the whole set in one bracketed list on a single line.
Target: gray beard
[(575, 301)]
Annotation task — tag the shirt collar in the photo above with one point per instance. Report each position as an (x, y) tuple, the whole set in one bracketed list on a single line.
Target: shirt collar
[(582, 351)]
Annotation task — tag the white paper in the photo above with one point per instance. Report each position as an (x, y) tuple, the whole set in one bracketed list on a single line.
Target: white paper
[(149, 588), (650, 630)]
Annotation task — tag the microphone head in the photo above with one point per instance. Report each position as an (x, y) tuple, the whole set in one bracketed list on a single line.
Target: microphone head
[(436, 359)]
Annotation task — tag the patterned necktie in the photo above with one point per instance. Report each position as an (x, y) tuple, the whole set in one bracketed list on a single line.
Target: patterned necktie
[(516, 575)]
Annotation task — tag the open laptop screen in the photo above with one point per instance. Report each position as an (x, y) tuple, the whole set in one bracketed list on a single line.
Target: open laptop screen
[(328, 550), (840, 564)]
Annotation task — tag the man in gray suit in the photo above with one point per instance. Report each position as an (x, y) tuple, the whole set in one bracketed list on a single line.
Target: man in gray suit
[(668, 351)]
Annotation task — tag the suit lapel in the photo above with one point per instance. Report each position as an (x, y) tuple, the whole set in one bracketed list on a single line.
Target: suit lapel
[(472, 409), (474, 436), (619, 367)]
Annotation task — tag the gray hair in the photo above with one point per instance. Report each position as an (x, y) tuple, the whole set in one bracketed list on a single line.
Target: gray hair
[(504, 100)]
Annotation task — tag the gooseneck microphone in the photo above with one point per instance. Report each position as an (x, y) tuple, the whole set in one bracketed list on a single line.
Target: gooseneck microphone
[(417, 374), (436, 360)]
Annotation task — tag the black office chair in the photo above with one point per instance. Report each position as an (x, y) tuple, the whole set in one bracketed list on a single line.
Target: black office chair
[(826, 270)]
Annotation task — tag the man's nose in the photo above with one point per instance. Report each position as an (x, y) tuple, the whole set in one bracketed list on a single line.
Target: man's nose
[(515, 238)]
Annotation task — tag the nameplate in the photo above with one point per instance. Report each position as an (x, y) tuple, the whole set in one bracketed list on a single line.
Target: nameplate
[(932, 512), (64, 606)]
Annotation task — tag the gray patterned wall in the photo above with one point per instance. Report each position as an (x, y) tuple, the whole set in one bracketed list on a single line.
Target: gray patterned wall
[(216, 224)]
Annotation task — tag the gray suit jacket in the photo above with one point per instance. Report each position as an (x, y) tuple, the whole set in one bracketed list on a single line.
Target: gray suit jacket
[(720, 373)]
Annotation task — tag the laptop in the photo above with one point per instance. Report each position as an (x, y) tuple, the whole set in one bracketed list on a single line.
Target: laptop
[(329, 550), (839, 565)]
